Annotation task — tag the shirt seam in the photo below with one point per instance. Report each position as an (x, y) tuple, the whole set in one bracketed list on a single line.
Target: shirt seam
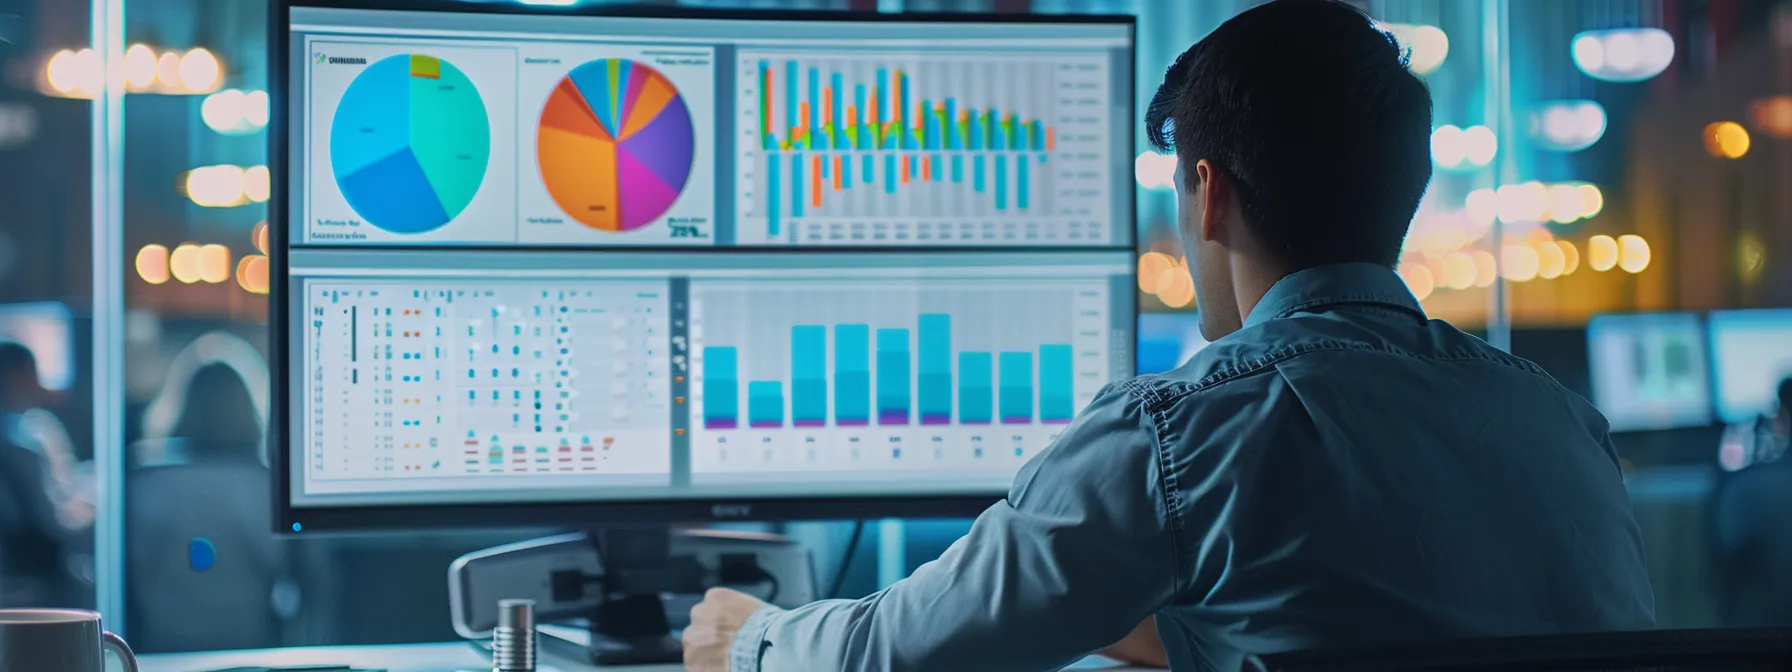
[(1167, 481)]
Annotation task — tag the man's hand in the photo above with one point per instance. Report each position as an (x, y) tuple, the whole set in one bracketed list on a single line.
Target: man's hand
[(713, 624)]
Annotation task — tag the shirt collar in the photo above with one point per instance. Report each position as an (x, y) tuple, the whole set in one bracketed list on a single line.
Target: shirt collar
[(1333, 284)]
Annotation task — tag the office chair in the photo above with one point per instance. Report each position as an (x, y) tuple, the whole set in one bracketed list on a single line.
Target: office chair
[(1655, 650)]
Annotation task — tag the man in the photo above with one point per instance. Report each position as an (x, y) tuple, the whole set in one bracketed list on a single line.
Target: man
[(1333, 470)]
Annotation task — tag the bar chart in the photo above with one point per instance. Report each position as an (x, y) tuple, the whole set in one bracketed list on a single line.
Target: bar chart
[(906, 374), (942, 149)]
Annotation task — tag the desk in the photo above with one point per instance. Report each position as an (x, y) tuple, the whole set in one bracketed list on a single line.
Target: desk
[(448, 656)]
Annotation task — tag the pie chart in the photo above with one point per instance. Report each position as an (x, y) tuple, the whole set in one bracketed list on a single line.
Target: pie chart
[(615, 144), (409, 143)]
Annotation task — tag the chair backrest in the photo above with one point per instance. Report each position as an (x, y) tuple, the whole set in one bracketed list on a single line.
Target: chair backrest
[(1657, 650)]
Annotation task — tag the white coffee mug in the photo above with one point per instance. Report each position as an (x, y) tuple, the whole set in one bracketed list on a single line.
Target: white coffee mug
[(66, 640)]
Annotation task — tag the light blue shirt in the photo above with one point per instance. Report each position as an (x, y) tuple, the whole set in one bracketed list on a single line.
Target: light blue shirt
[(1339, 472)]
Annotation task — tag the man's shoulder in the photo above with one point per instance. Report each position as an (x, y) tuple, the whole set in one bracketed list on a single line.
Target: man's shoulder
[(1243, 363)]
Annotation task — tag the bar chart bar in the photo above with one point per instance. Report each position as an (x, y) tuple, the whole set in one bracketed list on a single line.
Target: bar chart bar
[(721, 388), (892, 377), (765, 403), (1021, 182), (809, 376), (852, 375), (771, 204), (976, 388), (796, 185), (1017, 388), (936, 369), (1001, 182), (1057, 381)]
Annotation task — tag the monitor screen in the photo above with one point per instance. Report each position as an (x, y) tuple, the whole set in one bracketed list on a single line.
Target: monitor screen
[(1751, 352), (582, 264), (1649, 370)]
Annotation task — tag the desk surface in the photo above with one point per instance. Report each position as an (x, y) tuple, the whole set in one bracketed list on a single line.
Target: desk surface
[(403, 657), (407, 657)]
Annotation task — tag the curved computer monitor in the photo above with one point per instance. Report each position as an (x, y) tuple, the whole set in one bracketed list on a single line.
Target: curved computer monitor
[(556, 266)]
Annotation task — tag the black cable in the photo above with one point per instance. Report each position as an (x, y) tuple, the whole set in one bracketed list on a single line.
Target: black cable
[(852, 547)]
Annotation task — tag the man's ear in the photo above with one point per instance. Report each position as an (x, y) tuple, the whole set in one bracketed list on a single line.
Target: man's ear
[(1216, 198)]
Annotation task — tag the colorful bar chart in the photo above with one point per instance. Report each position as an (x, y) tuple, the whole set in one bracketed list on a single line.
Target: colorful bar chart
[(896, 383), (911, 124), (802, 374), (910, 365)]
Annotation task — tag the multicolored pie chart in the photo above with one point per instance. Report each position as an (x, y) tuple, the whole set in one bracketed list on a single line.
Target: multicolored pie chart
[(615, 144)]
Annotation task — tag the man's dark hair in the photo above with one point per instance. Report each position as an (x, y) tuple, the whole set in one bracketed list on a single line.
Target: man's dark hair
[(1310, 110), (1785, 396)]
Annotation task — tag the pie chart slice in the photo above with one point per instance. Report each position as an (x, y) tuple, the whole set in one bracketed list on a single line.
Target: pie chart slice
[(615, 144), (409, 143)]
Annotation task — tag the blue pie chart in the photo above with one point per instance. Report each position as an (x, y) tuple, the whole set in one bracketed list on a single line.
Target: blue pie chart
[(409, 143)]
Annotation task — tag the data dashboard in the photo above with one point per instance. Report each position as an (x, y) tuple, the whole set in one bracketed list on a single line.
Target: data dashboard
[(557, 258)]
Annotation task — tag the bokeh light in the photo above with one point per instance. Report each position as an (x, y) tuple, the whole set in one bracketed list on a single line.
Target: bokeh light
[(1550, 260), (1426, 47), (1480, 145), (1448, 149), (1418, 279), (1526, 202), (200, 71), (1519, 263), (140, 66), (1570, 257), (1569, 125), (1593, 199), (1459, 270), (1483, 206), (1566, 203), (1486, 268), (152, 264), (1151, 266), (1773, 116), (1726, 139), (1623, 54), (183, 263), (1602, 253), (1633, 253)]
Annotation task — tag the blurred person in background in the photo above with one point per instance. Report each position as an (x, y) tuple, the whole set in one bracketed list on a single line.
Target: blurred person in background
[(33, 544), (1751, 531), (200, 537)]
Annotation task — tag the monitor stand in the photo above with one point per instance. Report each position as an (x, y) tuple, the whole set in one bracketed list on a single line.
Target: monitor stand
[(630, 628)]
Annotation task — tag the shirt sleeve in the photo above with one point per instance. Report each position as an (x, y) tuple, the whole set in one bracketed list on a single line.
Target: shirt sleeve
[(1081, 551)]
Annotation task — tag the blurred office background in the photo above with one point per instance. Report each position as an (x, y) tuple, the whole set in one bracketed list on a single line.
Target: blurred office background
[(1593, 156)]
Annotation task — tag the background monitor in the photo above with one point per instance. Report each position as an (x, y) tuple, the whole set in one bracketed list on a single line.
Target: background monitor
[(554, 266), (1649, 370), (1751, 352)]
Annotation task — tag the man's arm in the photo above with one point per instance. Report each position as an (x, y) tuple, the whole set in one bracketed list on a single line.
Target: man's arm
[(1083, 549)]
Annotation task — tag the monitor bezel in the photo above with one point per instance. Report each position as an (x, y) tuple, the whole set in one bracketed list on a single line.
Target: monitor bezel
[(288, 519)]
